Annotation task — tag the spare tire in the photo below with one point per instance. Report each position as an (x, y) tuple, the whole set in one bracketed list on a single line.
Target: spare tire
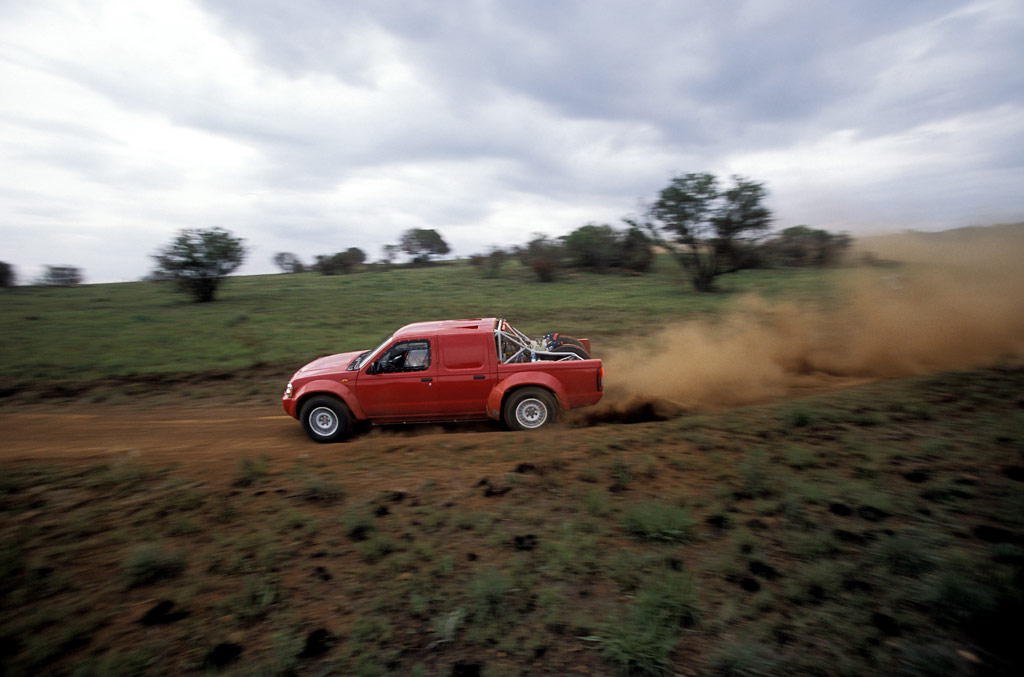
[(570, 340), (572, 349)]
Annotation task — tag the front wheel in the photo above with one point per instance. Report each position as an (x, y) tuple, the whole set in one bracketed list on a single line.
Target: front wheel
[(529, 409), (325, 419)]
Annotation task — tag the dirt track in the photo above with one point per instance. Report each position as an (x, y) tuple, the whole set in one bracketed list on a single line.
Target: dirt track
[(165, 434)]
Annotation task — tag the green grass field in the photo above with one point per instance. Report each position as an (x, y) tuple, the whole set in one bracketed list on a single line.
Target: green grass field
[(876, 529), (115, 330)]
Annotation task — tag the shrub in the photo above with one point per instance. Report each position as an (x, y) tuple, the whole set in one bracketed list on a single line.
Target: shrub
[(251, 470), (491, 595), (659, 522), (149, 563)]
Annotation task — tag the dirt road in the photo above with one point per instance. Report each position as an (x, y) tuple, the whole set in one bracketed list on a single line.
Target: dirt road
[(169, 433)]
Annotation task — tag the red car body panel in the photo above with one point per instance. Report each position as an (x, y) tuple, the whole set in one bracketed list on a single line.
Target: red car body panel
[(462, 381)]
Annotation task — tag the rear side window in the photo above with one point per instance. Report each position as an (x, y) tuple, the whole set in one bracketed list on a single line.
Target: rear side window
[(405, 356), (464, 351)]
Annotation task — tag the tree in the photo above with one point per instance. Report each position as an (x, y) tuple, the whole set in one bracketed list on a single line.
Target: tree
[(422, 243), (805, 246), (198, 259), (7, 276), (706, 226), (289, 263), (592, 247), (61, 276), (544, 256), (391, 252), (342, 262), (600, 248)]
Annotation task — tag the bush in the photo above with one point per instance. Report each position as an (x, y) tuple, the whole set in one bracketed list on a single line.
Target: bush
[(659, 522), (149, 563), (601, 248)]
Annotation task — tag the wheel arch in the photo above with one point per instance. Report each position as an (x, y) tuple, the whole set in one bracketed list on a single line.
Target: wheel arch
[(501, 392), (329, 389)]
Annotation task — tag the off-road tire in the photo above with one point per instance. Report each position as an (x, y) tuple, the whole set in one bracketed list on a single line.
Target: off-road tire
[(529, 409), (573, 349), (325, 419)]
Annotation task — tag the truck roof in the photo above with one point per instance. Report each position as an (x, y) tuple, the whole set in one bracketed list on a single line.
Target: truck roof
[(447, 326)]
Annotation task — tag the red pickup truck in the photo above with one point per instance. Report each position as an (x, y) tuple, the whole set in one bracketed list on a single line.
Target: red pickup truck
[(453, 370)]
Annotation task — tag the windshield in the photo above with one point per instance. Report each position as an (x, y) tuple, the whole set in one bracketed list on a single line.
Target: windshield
[(368, 355)]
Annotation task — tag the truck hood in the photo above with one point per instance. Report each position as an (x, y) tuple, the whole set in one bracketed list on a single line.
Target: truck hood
[(330, 363)]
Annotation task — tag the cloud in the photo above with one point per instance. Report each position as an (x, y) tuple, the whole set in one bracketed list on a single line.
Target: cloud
[(316, 126)]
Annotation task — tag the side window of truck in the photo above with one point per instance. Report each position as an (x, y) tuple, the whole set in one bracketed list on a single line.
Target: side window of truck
[(404, 356)]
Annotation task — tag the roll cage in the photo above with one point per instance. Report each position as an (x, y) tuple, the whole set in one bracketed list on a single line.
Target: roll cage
[(514, 346)]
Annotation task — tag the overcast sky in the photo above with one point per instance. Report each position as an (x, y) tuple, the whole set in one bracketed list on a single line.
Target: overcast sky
[(317, 125)]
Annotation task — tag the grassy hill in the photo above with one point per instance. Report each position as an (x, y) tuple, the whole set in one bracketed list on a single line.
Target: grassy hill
[(145, 328)]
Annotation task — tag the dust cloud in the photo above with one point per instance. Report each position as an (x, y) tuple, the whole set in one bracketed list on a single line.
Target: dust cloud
[(955, 301)]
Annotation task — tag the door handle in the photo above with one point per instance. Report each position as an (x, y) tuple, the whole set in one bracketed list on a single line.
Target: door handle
[(479, 377), (426, 379)]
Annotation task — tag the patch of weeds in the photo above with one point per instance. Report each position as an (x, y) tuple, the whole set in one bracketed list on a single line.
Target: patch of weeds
[(465, 520), (744, 658), (621, 475), (254, 601), (445, 565), (358, 522), (252, 470), (149, 563), (295, 522), (126, 474), (935, 449), (809, 546), (322, 490), (641, 641), (815, 582), (868, 419), (658, 521), (754, 473), (376, 548), (597, 503), (446, 626), (743, 542), (490, 595), (797, 417), (799, 458), (629, 569), (367, 632), (907, 554), (183, 526), (956, 598), (575, 552)]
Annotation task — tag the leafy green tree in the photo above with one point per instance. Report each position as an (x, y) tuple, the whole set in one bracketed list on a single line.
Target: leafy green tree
[(593, 247), (543, 256), (423, 243), (7, 276), (805, 246), (198, 259), (341, 263), (289, 263), (600, 248), (61, 276), (705, 225)]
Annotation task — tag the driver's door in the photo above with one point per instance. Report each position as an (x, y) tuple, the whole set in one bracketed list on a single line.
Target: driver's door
[(399, 384)]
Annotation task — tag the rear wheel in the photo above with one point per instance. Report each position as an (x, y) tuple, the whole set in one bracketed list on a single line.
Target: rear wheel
[(325, 419), (529, 409)]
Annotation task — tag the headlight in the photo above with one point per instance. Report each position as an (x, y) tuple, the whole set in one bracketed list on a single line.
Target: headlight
[(288, 391)]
